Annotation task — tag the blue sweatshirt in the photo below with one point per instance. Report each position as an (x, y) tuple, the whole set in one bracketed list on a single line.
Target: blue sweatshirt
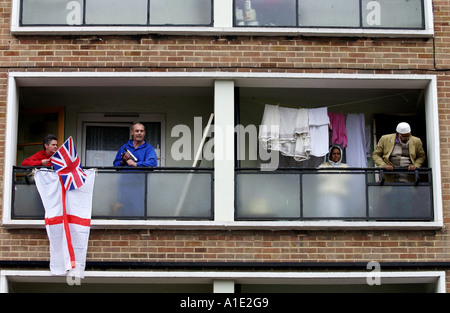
[(144, 153)]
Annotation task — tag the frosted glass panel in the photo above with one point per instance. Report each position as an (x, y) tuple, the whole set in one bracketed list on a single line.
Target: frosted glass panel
[(268, 195), (52, 12), (180, 12), (400, 202), (119, 194), (265, 13), (334, 195), (392, 13), (179, 195), (116, 12), (326, 13), (27, 202)]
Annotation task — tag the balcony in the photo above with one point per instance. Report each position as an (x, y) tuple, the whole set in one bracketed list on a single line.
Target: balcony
[(121, 193), (282, 195), (327, 194)]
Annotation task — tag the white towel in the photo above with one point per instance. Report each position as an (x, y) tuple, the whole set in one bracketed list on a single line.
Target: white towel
[(356, 140), (303, 139), (288, 120), (319, 117), (318, 128), (269, 130)]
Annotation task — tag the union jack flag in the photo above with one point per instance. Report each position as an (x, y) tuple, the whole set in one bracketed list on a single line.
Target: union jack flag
[(67, 164)]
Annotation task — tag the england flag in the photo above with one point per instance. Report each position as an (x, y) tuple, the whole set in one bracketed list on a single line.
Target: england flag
[(66, 194)]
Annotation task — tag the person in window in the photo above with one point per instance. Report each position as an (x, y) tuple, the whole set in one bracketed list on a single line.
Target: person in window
[(137, 151), (400, 149), (43, 157), (334, 158)]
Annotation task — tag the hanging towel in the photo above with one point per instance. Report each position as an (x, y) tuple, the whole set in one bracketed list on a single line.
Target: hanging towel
[(288, 120), (318, 128), (337, 122), (302, 135), (356, 140), (269, 130)]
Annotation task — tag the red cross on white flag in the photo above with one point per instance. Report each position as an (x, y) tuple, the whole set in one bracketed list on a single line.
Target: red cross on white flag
[(67, 220)]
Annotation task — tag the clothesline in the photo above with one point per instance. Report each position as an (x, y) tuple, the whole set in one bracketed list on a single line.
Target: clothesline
[(301, 133), (259, 101)]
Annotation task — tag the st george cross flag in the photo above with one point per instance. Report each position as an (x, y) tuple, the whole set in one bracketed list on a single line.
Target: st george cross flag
[(67, 216)]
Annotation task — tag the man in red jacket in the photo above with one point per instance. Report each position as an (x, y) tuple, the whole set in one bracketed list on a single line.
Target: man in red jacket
[(42, 158)]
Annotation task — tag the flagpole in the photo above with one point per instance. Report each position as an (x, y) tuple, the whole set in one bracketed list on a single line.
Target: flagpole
[(195, 164)]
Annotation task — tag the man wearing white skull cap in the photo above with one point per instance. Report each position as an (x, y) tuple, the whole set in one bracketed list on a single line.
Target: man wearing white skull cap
[(399, 150)]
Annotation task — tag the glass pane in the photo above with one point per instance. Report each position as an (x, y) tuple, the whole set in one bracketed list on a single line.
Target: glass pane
[(400, 202), (326, 13), (116, 12), (334, 195), (179, 195), (27, 202), (265, 13), (392, 14), (103, 142), (119, 194), (268, 195), (180, 12), (52, 12)]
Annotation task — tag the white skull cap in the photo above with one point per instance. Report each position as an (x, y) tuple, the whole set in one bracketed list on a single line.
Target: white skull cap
[(403, 128)]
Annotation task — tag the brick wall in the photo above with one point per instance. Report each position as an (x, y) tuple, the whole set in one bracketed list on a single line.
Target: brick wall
[(237, 54)]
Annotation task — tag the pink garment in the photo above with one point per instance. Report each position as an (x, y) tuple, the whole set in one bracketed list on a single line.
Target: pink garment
[(337, 122)]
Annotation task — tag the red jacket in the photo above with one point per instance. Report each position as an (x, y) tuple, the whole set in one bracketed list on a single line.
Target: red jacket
[(36, 159)]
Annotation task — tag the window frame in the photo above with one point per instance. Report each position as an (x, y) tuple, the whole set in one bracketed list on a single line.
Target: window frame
[(224, 117), (223, 21), (99, 119)]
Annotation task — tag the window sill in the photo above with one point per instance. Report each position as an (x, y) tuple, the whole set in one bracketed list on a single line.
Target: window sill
[(219, 31), (242, 225)]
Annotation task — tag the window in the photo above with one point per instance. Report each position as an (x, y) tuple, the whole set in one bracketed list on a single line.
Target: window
[(404, 14), (406, 18), (115, 12), (100, 141)]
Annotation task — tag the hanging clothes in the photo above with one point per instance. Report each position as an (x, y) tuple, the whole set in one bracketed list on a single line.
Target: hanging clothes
[(269, 130), (318, 128), (302, 135), (288, 120), (356, 140), (337, 123)]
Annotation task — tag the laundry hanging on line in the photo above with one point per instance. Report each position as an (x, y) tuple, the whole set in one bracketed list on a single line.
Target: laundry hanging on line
[(301, 133)]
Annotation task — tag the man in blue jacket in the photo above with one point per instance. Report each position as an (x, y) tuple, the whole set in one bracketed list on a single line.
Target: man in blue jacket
[(143, 152), (135, 153)]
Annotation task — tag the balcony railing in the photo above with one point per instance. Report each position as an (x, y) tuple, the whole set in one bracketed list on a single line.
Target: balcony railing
[(349, 194), (286, 194), (121, 193)]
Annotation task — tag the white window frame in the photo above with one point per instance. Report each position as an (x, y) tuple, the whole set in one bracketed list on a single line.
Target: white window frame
[(224, 118), (226, 280), (99, 119), (223, 25)]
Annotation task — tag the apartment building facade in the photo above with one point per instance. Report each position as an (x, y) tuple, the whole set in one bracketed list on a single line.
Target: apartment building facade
[(220, 213)]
